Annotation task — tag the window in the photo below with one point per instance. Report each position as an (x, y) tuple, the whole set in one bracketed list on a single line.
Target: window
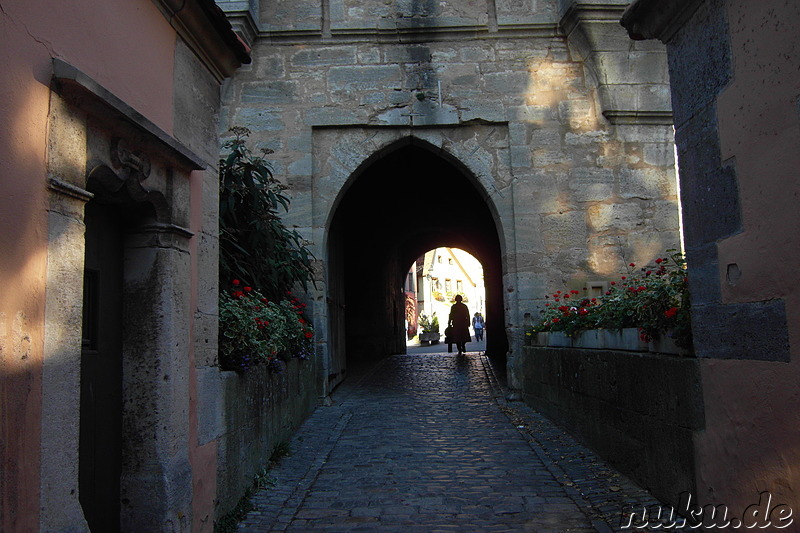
[(596, 288)]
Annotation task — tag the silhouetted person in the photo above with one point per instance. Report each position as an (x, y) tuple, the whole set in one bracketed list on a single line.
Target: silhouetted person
[(459, 321), (478, 324)]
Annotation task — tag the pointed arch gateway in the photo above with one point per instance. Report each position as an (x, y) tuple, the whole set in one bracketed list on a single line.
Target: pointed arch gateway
[(407, 198)]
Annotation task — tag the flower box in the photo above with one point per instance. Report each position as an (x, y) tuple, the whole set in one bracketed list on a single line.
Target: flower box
[(626, 339), (430, 336)]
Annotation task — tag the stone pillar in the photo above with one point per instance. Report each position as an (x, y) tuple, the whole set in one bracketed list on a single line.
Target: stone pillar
[(61, 371), (156, 473)]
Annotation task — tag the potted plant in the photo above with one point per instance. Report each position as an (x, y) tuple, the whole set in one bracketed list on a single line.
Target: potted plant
[(430, 329)]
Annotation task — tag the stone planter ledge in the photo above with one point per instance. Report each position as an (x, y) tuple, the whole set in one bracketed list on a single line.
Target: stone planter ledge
[(626, 339)]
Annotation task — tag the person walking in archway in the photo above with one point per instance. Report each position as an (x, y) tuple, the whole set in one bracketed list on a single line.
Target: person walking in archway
[(459, 321), (478, 324)]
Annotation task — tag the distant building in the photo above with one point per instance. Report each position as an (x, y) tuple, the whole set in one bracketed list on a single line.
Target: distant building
[(441, 274)]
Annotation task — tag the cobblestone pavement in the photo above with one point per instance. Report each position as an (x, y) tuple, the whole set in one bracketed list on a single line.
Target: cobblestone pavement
[(428, 442)]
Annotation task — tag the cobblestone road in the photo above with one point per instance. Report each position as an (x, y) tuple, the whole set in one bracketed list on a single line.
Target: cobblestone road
[(428, 443)]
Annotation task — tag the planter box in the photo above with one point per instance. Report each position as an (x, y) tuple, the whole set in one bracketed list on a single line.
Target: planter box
[(626, 339), (431, 337)]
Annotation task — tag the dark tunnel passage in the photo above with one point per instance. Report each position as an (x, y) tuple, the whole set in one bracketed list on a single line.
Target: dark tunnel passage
[(401, 204)]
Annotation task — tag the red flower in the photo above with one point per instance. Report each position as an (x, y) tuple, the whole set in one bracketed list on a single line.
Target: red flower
[(624, 277), (309, 334), (659, 261), (632, 264), (575, 292), (248, 289), (556, 320), (583, 311), (236, 282), (671, 312), (238, 294)]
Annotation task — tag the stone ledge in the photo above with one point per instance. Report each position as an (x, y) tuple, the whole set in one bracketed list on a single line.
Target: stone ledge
[(626, 339), (87, 94), (657, 19)]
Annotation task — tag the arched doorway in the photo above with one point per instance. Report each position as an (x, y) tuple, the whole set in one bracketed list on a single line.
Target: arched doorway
[(413, 198)]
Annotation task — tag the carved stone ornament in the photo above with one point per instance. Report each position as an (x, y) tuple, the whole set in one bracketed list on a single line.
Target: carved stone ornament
[(135, 162)]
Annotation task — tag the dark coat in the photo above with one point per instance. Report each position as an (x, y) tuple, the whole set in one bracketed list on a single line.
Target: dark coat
[(459, 320)]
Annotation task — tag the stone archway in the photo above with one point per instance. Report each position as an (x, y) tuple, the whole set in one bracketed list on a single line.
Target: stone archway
[(407, 197)]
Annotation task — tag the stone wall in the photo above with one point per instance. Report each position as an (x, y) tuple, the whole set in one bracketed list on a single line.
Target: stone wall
[(735, 92), (639, 411), (259, 410), (546, 105)]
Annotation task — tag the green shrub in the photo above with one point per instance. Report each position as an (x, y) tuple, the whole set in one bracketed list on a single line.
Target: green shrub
[(255, 246)]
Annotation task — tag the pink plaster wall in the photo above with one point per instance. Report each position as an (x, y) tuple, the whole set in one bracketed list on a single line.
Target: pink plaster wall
[(752, 437), (127, 46)]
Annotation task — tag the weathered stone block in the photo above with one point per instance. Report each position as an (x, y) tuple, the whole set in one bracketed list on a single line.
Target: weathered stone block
[(258, 119), (271, 92), (314, 57), (647, 183), (506, 83), (369, 77), (564, 230), (614, 217)]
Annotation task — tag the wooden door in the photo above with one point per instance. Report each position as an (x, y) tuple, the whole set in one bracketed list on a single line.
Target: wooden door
[(337, 359), (100, 453)]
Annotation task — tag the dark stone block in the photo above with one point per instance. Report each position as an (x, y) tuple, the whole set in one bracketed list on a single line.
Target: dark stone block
[(704, 282), (699, 60), (749, 331), (709, 190)]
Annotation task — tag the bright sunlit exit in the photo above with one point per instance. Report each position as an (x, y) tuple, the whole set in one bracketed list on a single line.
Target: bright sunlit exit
[(432, 284)]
